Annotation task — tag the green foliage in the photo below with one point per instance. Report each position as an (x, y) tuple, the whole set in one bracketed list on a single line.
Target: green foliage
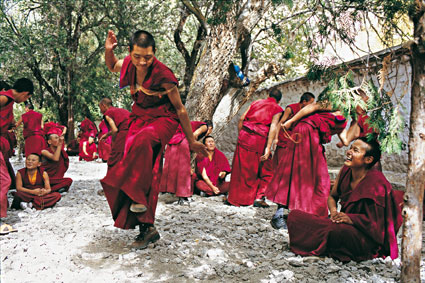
[(221, 8)]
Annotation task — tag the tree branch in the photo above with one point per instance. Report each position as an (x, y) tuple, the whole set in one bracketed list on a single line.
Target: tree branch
[(196, 12)]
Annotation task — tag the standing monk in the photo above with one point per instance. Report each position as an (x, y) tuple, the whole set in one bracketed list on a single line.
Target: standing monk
[(104, 145), (117, 122), (20, 92), (367, 225), (55, 162), (251, 170), (131, 186), (176, 174), (33, 130)]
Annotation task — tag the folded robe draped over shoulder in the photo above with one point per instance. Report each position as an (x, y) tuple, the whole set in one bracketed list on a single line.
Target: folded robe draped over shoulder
[(250, 176), (57, 170), (301, 180), (33, 134), (120, 117), (152, 123), (376, 215), (39, 202)]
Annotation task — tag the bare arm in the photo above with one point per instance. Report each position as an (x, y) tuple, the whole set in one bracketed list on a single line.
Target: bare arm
[(240, 124), (174, 97), (18, 123), (114, 65), (286, 115), (20, 188), (347, 136), (112, 126), (46, 190), (64, 131), (331, 199), (208, 181), (309, 109), (3, 100), (272, 134), (56, 155), (202, 129)]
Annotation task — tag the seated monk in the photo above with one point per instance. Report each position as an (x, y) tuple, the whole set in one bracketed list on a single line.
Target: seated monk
[(33, 187), (56, 163), (212, 170), (88, 150), (73, 147), (367, 225)]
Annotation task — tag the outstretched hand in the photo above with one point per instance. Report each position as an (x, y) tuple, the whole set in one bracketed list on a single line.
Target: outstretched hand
[(199, 148), (111, 41)]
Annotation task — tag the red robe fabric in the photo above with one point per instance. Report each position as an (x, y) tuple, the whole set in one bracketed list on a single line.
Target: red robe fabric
[(88, 128), (120, 117), (33, 133), (213, 167), (39, 202), (53, 128), (56, 171), (376, 218), (365, 129), (282, 139), (90, 149), (176, 175), (6, 118), (152, 122), (104, 146), (250, 176), (301, 180), (73, 148), (5, 182)]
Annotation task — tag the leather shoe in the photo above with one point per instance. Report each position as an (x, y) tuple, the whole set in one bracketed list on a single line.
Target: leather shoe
[(137, 207), (261, 203), (144, 239)]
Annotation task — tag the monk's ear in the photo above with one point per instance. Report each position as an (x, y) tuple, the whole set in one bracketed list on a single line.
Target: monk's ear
[(368, 159)]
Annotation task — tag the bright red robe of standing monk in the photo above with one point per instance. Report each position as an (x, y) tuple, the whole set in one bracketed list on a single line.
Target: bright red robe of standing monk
[(250, 176), (153, 121), (33, 133), (301, 180), (56, 170), (176, 175), (120, 117), (104, 146), (376, 218), (88, 128), (90, 149), (282, 139), (213, 168)]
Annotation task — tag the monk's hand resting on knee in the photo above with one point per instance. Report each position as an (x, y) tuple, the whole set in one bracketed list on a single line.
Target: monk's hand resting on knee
[(199, 148), (341, 217)]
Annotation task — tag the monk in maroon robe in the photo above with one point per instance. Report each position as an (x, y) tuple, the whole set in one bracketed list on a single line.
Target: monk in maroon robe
[(131, 186), (370, 216), (33, 130), (88, 150), (104, 145), (305, 156), (252, 166), (55, 162), (211, 171), (73, 148), (88, 128), (20, 92), (33, 187), (176, 174), (53, 127), (117, 123)]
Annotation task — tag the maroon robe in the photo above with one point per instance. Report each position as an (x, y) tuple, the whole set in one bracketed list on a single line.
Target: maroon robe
[(88, 128), (104, 146), (73, 148), (56, 170), (120, 117), (33, 133), (250, 176), (90, 149), (53, 128), (5, 182), (376, 218), (213, 167), (282, 143), (39, 202), (301, 180), (176, 175), (153, 121)]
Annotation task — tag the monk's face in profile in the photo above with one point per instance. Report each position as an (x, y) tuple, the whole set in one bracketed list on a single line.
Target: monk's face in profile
[(142, 57), (102, 108), (91, 140), (355, 156), (210, 144), (53, 140), (305, 103), (32, 161)]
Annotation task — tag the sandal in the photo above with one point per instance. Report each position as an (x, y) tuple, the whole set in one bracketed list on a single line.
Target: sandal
[(6, 229)]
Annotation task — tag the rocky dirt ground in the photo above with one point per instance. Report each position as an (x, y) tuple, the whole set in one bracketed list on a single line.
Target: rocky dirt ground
[(205, 241)]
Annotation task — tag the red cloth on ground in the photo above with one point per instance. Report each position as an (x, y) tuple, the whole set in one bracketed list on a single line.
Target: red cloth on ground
[(301, 180), (376, 218), (176, 175), (88, 128), (249, 175), (56, 170), (120, 117), (33, 134), (153, 121), (73, 148), (39, 202), (5, 182), (104, 146), (90, 149)]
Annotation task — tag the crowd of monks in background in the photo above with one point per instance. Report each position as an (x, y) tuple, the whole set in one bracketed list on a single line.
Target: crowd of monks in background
[(279, 157)]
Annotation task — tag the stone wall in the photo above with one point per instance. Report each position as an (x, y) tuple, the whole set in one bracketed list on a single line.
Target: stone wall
[(226, 132)]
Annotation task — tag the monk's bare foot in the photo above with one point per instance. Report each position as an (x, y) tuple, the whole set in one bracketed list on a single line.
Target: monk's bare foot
[(137, 208), (144, 239), (261, 203)]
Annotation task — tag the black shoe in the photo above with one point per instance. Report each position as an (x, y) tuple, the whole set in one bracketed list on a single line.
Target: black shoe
[(144, 239), (278, 222), (61, 190), (261, 203)]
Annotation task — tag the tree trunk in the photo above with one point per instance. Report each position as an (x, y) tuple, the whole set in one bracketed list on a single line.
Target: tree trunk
[(412, 211)]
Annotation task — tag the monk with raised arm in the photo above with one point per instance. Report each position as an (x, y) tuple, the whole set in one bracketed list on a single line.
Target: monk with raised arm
[(367, 224), (132, 186)]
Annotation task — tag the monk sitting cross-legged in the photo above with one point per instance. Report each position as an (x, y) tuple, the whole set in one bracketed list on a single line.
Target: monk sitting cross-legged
[(33, 187), (369, 219), (88, 150), (56, 163)]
